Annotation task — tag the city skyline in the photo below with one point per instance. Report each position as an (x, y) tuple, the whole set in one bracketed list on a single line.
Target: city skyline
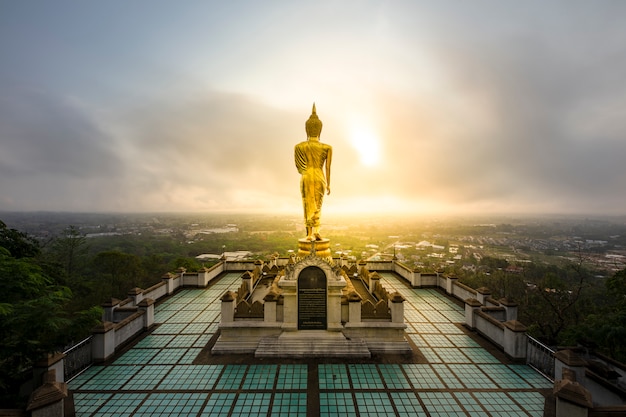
[(431, 107)]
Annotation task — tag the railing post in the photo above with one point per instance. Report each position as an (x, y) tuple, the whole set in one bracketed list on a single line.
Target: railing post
[(450, 284), (397, 308), (567, 359), (515, 339), (228, 307), (203, 277), (482, 294), (49, 399), (510, 308), (108, 308), (169, 282), (269, 307), (52, 362), (572, 399), (103, 345), (136, 294), (471, 305), (147, 305), (354, 308)]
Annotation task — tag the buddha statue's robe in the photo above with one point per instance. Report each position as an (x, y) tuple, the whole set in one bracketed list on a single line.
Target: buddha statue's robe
[(310, 158)]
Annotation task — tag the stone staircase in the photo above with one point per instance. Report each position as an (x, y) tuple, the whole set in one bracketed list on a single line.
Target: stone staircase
[(311, 344)]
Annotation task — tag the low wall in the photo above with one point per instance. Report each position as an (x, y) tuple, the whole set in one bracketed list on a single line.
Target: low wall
[(489, 327), (156, 291), (462, 291), (124, 320), (129, 327), (238, 266)]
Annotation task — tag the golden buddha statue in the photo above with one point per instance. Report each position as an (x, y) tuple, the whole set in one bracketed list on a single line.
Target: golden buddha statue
[(311, 157)]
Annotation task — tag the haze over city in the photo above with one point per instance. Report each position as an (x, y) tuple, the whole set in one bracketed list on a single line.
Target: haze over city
[(431, 107)]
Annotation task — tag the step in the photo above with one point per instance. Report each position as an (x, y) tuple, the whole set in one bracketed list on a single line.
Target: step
[(306, 346)]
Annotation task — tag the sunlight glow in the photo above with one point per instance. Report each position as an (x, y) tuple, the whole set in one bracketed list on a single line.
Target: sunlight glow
[(367, 145)]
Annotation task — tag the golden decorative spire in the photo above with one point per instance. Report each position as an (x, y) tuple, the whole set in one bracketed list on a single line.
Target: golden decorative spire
[(313, 126)]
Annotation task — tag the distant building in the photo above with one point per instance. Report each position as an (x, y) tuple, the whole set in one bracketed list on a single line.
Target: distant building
[(229, 256)]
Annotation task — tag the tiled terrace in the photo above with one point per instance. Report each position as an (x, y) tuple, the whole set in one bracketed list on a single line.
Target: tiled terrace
[(457, 376)]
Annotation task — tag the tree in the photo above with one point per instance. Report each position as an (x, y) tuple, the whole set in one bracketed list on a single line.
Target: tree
[(122, 271), (70, 251), (190, 264), (33, 315), (17, 243), (557, 302)]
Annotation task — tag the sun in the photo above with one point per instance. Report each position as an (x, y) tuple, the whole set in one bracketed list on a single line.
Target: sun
[(367, 144)]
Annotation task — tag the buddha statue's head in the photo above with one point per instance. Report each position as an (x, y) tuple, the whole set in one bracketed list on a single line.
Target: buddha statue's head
[(313, 126)]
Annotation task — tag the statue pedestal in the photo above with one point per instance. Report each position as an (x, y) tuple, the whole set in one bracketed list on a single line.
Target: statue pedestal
[(321, 248)]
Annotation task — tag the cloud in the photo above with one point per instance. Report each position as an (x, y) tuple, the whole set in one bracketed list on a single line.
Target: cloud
[(483, 106), (47, 135)]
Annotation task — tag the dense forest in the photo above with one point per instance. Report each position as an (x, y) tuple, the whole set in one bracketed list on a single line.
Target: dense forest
[(561, 305), (52, 288)]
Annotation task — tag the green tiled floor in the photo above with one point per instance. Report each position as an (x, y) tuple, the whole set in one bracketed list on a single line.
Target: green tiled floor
[(289, 404), (219, 405), (374, 404), (394, 377), (157, 377), (333, 377), (365, 376), (292, 377), (336, 404), (260, 377)]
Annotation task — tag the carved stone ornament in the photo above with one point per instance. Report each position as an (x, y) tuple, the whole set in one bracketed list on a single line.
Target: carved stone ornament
[(333, 272)]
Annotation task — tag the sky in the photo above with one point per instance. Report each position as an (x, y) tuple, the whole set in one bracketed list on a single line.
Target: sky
[(430, 106)]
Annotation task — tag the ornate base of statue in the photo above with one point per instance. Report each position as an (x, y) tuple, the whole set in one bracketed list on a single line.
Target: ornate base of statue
[(320, 248)]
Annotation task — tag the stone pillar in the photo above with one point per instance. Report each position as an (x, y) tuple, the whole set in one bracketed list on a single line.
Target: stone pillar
[(49, 399), (510, 308), (108, 308), (169, 283), (354, 305), (416, 279), (482, 294), (103, 344), (450, 284), (515, 339), (147, 305), (568, 359), (136, 294), (374, 281), (269, 307), (572, 399), (471, 305), (334, 289), (228, 307), (397, 308), (290, 304), (203, 277), (246, 279), (52, 362)]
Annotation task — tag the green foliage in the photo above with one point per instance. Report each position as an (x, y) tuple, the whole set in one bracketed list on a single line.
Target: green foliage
[(190, 264), (17, 243), (70, 251), (605, 329), (35, 317), (118, 272), (494, 263)]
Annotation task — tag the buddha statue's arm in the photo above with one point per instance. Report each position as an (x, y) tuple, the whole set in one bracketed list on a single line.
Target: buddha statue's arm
[(329, 160)]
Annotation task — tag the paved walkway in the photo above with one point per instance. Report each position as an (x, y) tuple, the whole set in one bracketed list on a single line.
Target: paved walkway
[(457, 374)]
